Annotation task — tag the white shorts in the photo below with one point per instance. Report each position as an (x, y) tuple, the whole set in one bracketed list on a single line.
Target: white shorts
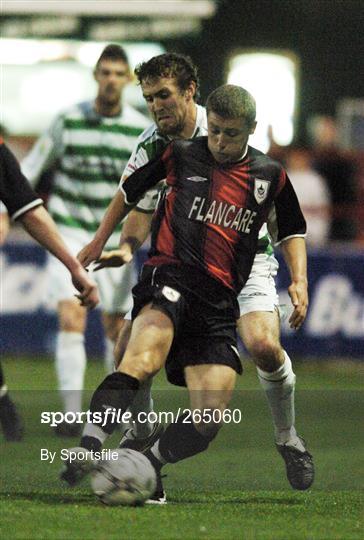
[(114, 284), (260, 293)]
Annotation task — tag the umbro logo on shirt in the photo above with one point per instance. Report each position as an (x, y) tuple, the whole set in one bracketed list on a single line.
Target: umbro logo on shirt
[(197, 179)]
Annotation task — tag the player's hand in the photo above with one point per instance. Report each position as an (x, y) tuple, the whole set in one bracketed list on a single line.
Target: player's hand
[(91, 252), (88, 293), (299, 298), (114, 258)]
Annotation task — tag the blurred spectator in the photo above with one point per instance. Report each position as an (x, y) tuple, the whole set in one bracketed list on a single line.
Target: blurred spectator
[(313, 194), (339, 171), (276, 151)]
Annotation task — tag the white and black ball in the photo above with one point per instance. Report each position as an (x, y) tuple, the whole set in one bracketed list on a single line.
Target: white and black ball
[(128, 480)]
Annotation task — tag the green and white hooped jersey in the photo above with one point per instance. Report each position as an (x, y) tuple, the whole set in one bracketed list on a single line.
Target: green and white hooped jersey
[(151, 143), (87, 152)]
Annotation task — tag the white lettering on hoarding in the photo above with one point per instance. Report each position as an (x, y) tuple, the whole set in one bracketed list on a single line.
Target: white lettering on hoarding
[(336, 307)]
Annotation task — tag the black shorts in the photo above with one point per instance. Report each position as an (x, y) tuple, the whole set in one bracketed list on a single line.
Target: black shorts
[(203, 313)]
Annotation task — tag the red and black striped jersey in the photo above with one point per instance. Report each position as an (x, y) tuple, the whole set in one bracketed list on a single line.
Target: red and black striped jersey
[(211, 214), (15, 191)]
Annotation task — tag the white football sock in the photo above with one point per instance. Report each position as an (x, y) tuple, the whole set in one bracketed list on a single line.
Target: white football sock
[(70, 368), (109, 356), (143, 403), (279, 388)]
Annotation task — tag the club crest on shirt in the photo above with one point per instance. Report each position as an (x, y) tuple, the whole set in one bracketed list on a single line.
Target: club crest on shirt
[(261, 188)]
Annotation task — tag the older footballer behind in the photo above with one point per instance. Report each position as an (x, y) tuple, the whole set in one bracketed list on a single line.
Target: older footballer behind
[(219, 193)]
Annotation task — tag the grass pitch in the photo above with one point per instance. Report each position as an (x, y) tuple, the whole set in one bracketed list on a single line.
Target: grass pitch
[(235, 490)]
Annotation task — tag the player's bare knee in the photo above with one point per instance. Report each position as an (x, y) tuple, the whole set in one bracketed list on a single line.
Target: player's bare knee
[(267, 354), (209, 418), (142, 366)]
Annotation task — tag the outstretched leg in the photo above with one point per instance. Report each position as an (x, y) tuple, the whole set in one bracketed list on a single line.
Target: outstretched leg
[(147, 350)]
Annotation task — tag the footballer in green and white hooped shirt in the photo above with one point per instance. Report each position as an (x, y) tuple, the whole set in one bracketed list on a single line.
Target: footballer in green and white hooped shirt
[(87, 147)]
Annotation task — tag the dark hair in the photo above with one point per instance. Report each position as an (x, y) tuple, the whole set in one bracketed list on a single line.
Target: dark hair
[(113, 52), (172, 65), (231, 101)]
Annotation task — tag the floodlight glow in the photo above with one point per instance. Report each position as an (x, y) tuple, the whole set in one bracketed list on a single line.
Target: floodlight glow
[(20, 51), (271, 79), (42, 77), (53, 88), (88, 53), (30, 51)]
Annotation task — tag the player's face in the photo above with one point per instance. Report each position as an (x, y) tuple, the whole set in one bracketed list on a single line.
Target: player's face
[(111, 77), (168, 104), (227, 137)]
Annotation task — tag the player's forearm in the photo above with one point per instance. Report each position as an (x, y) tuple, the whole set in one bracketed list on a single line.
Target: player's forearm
[(136, 229), (115, 213), (39, 224), (295, 255)]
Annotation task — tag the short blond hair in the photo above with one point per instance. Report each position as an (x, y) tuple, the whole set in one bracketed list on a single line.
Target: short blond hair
[(231, 101)]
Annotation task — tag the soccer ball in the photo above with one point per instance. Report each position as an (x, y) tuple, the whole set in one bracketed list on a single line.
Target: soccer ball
[(128, 480)]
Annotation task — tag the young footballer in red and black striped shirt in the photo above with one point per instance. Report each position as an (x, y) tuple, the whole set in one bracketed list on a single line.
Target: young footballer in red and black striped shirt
[(212, 211), (205, 233)]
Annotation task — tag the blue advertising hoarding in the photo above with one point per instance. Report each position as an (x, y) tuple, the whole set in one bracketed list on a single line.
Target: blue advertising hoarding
[(334, 326), (335, 320)]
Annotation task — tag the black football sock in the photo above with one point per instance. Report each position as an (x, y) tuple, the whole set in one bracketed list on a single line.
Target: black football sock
[(109, 401), (153, 459), (180, 441)]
